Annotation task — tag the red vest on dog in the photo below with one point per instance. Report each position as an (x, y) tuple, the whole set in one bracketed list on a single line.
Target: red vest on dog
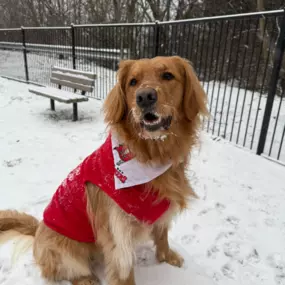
[(66, 213)]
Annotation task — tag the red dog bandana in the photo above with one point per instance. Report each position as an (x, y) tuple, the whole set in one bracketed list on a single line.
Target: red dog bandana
[(116, 172)]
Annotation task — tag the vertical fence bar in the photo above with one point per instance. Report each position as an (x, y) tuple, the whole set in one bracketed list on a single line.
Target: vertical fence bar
[(262, 88), (259, 62), (156, 38), (73, 46), (278, 57), (74, 67), (25, 54), (281, 143)]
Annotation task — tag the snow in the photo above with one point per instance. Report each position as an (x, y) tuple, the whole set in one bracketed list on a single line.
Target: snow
[(57, 94), (89, 76), (232, 235)]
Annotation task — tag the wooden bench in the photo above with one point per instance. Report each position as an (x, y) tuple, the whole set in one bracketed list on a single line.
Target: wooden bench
[(74, 79)]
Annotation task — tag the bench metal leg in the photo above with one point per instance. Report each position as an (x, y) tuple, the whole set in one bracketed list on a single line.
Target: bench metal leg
[(75, 112), (52, 106)]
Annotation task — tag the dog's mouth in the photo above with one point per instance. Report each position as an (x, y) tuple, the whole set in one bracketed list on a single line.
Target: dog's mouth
[(153, 122)]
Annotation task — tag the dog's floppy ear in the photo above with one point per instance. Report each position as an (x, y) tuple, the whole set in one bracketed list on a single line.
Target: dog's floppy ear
[(195, 98), (115, 105)]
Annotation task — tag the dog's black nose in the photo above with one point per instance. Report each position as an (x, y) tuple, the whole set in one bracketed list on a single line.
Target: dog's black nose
[(146, 97)]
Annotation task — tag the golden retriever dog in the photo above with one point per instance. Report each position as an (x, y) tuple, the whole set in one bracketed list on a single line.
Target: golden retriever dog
[(155, 109)]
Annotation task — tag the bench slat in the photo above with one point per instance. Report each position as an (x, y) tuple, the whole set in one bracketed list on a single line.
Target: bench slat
[(58, 95), (80, 79), (90, 75), (71, 84)]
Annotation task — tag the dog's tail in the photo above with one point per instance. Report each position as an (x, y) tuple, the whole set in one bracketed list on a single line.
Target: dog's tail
[(20, 222)]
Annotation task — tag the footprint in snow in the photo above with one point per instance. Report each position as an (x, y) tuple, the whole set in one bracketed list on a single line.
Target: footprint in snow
[(224, 235), (280, 279), (16, 98), (204, 212), (241, 252), (269, 222), (187, 239), (228, 271), (277, 262), (220, 206), (217, 277), (231, 249), (232, 220), (13, 162), (196, 227), (213, 251), (254, 276), (73, 138), (253, 257)]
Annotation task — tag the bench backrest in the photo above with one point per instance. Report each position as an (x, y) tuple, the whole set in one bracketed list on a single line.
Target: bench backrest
[(76, 79)]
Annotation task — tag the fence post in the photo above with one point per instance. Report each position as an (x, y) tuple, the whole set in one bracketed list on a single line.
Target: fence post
[(156, 38), (25, 54), (278, 58), (73, 46)]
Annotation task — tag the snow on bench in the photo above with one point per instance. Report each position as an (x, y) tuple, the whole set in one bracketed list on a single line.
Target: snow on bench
[(75, 71), (58, 95), (74, 79)]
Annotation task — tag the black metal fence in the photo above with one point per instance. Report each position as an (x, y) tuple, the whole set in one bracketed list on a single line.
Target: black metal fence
[(238, 58)]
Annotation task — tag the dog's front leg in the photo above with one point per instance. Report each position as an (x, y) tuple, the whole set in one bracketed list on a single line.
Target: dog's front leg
[(118, 264), (163, 252)]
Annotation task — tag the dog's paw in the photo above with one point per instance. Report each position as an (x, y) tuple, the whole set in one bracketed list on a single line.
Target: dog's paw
[(171, 257)]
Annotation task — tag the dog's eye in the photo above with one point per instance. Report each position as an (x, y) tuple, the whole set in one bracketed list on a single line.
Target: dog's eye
[(133, 82), (167, 76)]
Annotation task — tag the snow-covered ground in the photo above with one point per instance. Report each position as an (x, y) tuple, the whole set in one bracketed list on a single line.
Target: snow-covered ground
[(233, 235)]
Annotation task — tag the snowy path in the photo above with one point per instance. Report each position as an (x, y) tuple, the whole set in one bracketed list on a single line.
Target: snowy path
[(233, 235)]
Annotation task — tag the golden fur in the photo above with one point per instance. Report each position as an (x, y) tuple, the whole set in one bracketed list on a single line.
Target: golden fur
[(118, 233)]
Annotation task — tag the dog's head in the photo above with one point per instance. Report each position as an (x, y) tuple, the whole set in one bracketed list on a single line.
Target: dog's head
[(156, 96)]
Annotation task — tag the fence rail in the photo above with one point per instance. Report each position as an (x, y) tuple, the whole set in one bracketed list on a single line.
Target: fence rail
[(238, 58)]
